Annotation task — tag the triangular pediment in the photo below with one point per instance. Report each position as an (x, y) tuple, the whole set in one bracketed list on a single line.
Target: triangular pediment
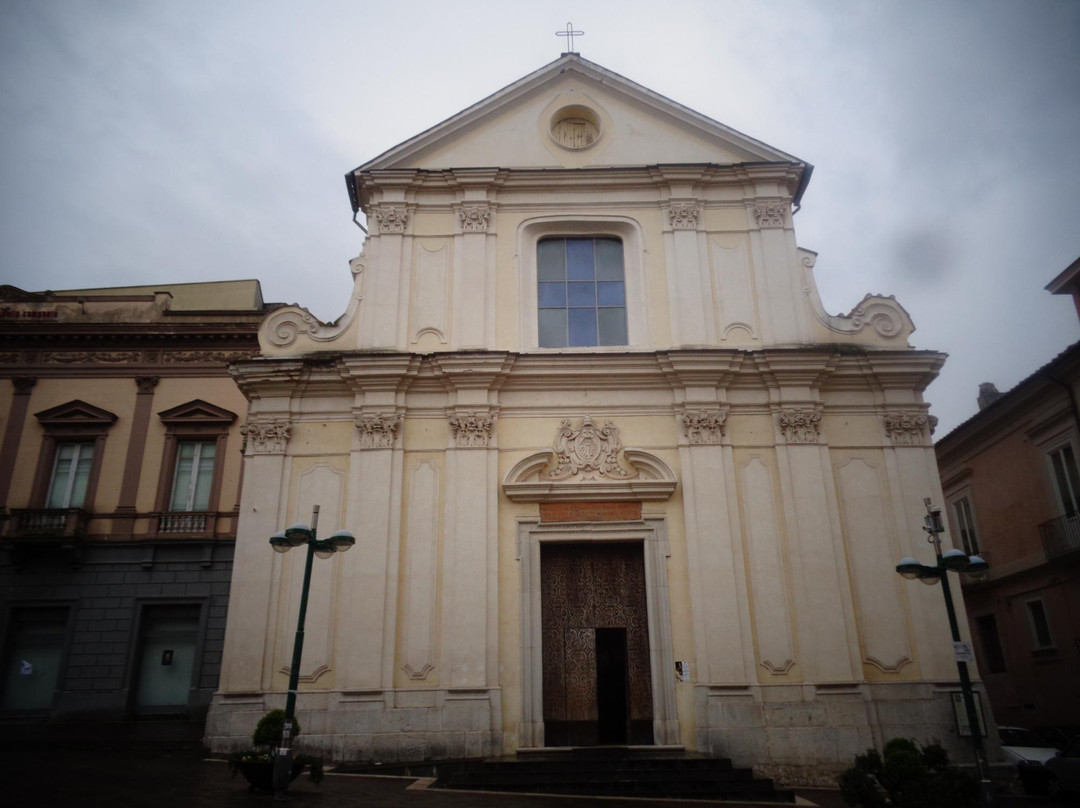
[(75, 413), (197, 411), (621, 124)]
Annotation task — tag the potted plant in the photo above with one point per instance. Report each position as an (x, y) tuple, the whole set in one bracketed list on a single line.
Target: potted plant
[(257, 763)]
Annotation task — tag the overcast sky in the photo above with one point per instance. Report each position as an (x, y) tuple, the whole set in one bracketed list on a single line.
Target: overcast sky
[(146, 142)]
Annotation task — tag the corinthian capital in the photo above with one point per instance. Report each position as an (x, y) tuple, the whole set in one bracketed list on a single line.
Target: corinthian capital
[(391, 219), (800, 424), (704, 426), (378, 431), (474, 218), (472, 429)]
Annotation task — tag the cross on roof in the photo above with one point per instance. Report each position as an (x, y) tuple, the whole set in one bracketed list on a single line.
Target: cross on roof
[(571, 33)]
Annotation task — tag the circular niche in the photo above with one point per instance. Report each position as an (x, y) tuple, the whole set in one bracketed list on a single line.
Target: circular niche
[(575, 127)]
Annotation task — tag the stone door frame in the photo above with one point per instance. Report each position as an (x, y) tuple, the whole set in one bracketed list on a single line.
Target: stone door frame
[(652, 534)]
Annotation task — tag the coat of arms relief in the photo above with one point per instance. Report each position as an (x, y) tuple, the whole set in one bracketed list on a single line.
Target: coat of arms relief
[(589, 450)]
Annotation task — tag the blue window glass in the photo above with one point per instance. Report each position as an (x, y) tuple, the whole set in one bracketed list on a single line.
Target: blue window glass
[(581, 292), (553, 295), (582, 327)]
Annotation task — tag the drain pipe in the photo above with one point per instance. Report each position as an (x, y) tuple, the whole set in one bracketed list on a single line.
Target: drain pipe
[(357, 223)]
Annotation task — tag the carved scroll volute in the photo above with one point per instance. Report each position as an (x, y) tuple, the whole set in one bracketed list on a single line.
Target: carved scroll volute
[(587, 449)]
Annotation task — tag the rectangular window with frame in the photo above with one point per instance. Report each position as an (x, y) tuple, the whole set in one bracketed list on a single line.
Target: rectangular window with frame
[(966, 522), (1039, 624), (70, 475), (1063, 461), (990, 640), (581, 292), (193, 476)]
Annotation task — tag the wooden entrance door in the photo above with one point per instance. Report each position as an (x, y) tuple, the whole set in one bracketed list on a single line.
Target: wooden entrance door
[(597, 676)]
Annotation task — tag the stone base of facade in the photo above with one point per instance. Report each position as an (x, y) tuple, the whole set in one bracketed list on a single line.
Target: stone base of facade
[(806, 735), (380, 726)]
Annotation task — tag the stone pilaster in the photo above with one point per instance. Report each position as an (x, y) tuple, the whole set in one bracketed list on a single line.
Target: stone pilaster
[(469, 628)]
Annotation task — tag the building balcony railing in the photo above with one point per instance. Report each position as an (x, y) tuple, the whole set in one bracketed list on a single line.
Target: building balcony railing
[(186, 523), (1061, 536), (67, 523)]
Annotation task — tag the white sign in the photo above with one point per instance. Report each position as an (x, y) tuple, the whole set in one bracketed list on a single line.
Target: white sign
[(682, 671), (963, 652), (26, 668)]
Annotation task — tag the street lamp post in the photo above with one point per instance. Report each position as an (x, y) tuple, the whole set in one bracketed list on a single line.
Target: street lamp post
[(282, 542), (954, 561)]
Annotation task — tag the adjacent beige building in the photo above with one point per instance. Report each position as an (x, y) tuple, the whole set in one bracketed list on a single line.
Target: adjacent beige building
[(120, 475), (615, 474)]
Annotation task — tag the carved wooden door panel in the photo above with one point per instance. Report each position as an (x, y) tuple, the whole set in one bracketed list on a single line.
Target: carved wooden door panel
[(585, 587)]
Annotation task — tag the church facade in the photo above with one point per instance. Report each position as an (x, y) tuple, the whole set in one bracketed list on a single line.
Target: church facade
[(616, 476)]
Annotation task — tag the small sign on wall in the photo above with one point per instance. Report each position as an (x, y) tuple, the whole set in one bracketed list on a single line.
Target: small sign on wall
[(166, 656), (682, 671), (963, 651)]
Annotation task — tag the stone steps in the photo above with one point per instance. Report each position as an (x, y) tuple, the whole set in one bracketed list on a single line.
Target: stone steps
[(612, 772)]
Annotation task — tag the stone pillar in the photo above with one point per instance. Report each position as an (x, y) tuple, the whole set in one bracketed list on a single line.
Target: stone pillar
[(123, 519), (369, 580), (828, 646), (469, 628), (384, 313), (776, 272), (370, 574), (470, 588), (693, 319), (246, 665), (721, 611), (912, 472), (474, 275), (13, 433)]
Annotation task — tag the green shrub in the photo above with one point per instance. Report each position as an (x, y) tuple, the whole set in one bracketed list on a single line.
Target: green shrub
[(907, 776), (268, 730)]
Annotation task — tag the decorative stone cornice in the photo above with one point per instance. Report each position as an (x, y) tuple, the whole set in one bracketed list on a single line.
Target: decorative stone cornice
[(771, 214), (184, 357), (684, 215), (704, 426), (89, 357), (472, 430), (378, 431), (588, 448), (909, 428), (146, 384), (266, 437), (474, 218), (391, 219), (800, 424)]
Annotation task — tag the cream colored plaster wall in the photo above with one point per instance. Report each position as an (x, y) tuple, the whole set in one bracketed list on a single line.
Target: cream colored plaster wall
[(326, 439), (630, 135)]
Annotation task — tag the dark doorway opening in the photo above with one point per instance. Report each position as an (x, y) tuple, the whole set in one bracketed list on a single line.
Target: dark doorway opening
[(611, 675)]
